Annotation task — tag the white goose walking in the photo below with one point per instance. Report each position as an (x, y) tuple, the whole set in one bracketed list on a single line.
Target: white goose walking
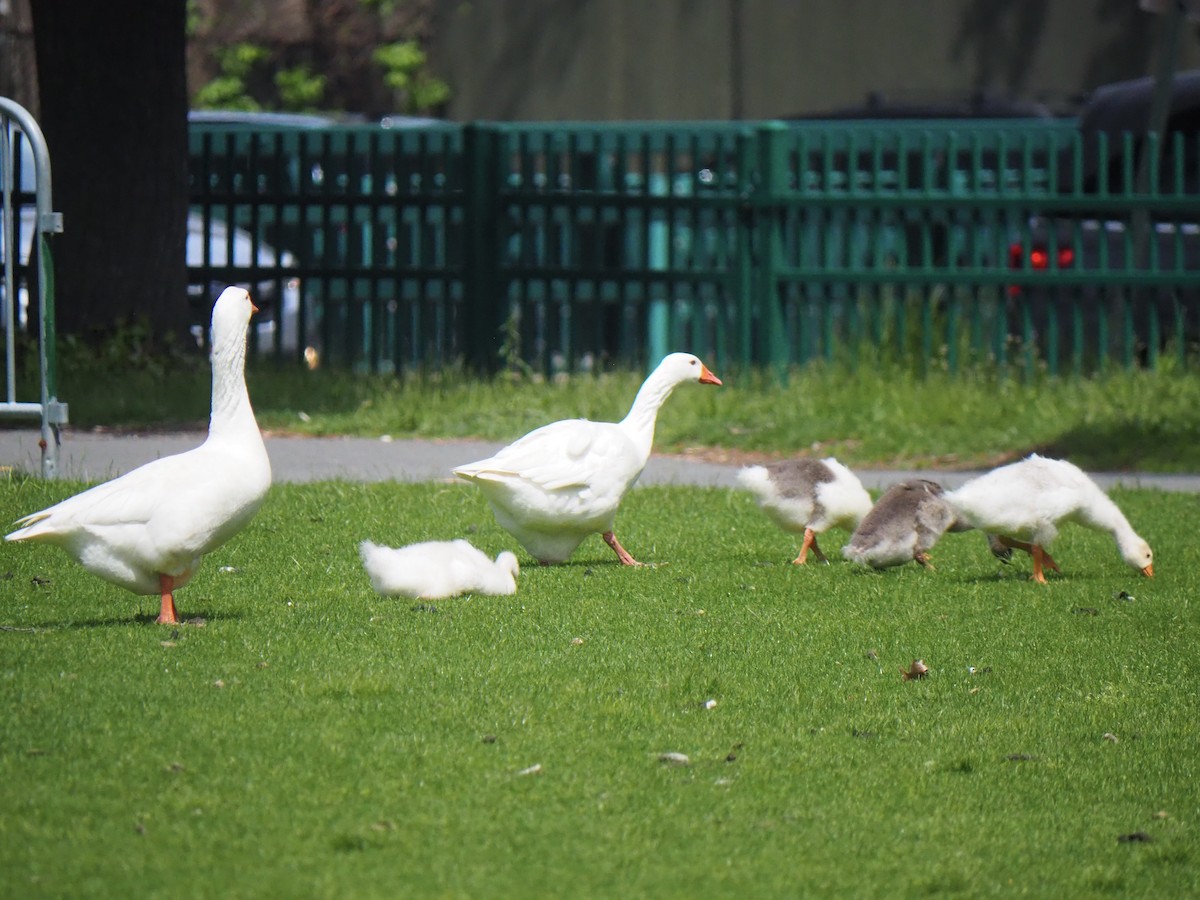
[(1025, 502), (564, 481), (148, 530)]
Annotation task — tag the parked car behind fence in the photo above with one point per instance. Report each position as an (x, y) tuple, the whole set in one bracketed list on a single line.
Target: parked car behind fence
[(1125, 274)]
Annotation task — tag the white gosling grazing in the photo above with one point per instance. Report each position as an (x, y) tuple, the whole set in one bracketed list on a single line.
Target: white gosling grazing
[(808, 496), (1025, 502), (148, 530), (564, 481), (903, 526), (436, 569)]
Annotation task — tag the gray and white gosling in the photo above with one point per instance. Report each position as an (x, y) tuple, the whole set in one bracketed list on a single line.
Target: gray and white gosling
[(808, 496)]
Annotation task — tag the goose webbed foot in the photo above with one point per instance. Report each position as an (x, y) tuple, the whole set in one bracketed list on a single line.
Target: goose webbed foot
[(622, 554)]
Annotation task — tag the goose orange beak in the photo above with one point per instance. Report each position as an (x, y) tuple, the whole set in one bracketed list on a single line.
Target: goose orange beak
[(1149, 571), (706, 375)]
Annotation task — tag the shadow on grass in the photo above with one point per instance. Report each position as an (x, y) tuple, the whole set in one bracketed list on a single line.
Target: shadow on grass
[(1080, 576), (583, 564), (191, 619), (1123, 446)]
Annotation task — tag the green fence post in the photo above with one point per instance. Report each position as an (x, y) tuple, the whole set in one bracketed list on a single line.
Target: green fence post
[(745, 271), (658, 318), (484, 298), (770, 188)]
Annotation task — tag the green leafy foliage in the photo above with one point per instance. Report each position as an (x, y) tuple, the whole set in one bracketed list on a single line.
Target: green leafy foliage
[(230, 90), (299, 89), (405, 72)]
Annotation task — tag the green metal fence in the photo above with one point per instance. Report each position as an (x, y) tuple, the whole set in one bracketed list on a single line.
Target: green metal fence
[(566, 246)]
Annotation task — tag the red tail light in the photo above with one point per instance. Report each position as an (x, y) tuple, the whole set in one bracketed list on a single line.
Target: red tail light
[(1039, 260), (1039, 257), (1015, 254)]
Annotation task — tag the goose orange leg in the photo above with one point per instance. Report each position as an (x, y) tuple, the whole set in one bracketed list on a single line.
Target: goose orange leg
[(167, 614), (810, 540), (622, 553), (1040, 557)]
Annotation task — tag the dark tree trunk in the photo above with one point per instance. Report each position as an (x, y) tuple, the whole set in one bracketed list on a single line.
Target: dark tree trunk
[(112, 81)]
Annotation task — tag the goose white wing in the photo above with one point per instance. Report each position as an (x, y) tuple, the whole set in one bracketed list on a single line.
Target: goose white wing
[(573, 453), (131, 499), (172, 502)]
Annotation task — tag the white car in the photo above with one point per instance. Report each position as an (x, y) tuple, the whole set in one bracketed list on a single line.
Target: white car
[(277, 297)]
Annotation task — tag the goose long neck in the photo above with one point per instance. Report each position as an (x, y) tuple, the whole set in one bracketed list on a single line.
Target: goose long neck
[(1104, 515), (639, 423), (231, 410)]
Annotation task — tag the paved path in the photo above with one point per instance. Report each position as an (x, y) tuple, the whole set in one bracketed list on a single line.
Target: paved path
[(90, 456)]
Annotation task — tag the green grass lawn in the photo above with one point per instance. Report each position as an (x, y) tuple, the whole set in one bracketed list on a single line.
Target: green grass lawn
[(311, 739)]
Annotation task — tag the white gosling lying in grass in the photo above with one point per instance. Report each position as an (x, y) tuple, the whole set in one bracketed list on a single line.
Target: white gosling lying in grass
[(808, 496), (564, 481), (436, 569), (148, 530), (1025, 502), (903, 526)]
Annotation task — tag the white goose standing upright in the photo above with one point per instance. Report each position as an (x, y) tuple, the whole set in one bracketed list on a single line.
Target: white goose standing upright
[(1025, 502), (148, 530), (564, 481)]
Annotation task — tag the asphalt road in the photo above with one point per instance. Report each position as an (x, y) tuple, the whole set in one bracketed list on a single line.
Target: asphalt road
[(95, 456)]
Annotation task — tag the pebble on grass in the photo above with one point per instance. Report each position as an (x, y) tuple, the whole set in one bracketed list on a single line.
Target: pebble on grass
[(674, 759), (918, 669)]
